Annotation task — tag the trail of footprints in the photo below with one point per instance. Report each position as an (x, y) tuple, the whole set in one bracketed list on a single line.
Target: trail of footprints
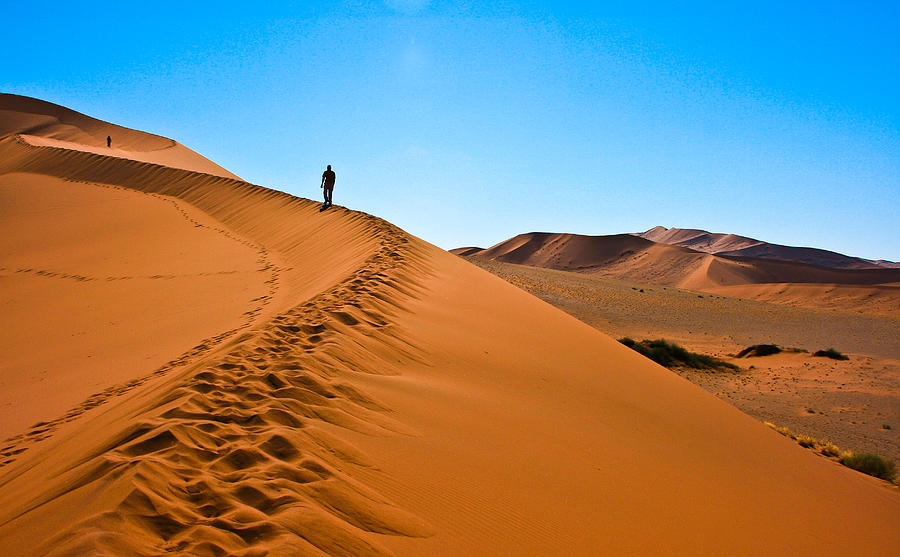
[(234, 454), (14, 446), (83, 278)]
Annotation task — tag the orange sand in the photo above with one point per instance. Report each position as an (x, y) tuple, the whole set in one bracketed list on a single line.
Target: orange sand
[(387, 397), (741, 246)]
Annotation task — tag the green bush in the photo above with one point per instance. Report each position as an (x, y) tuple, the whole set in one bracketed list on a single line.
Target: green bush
[(871, 464), (830, 353), (669, 354)]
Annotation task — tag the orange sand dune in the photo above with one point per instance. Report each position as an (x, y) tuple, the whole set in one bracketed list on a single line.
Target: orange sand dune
[(699, 240), (102, 285), (42, 123), (389, 398), (741, 246), (630, 257), (566, 251)]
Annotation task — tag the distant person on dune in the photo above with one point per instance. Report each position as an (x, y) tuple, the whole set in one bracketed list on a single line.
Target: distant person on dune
[(108, 141), (327, 185)]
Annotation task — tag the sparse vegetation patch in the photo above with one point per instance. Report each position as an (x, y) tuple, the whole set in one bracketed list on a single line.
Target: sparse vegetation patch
[(759, 350), (671, 355), (871, 464), (830, 353), (867, 463)]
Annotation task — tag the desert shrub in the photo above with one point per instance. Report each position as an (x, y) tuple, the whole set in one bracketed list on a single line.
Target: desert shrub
[(823, 447), (830, 353), (759, 350), (669, 354), (806, 441), (782, 430), (867, 463), (871, 464)]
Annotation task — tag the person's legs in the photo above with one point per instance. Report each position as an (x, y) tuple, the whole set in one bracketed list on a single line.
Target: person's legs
[(328, 195)]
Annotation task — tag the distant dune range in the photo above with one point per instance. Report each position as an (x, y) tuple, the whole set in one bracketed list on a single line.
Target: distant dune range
[(219, 368), (851, 284), (731, 244)]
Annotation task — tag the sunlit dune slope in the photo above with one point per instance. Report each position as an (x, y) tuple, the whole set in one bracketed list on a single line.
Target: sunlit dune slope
[(102, 285), (388, 398), (42, 123)]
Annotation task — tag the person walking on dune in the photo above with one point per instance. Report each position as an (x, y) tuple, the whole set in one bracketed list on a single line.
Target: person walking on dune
[(108, 141), (327, 185)]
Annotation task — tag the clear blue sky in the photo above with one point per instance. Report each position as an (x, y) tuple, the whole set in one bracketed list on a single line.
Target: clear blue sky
[(466, 124)]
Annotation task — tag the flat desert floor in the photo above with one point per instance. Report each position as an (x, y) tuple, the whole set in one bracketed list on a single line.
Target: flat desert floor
[(846, 402)]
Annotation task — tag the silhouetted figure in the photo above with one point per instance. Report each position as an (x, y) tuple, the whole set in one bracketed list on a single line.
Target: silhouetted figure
[(327, 185), (108, 141)]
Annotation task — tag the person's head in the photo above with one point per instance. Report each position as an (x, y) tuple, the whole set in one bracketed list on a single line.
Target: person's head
[(329, 167)]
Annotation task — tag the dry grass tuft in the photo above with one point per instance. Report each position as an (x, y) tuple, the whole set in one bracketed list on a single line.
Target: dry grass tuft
[(806, 441), (867, 463)]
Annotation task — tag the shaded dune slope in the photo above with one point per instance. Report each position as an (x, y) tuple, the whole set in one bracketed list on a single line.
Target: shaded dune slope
[(392, 398)]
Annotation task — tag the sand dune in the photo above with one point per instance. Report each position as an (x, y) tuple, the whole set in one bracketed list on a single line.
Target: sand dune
[(46, 124), (387, 397), (108, 295), (852, 399), (630, 257), (741, 246), (464, 252)]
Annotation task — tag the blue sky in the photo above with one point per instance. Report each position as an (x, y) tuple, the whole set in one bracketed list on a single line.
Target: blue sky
[(466, 124)]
